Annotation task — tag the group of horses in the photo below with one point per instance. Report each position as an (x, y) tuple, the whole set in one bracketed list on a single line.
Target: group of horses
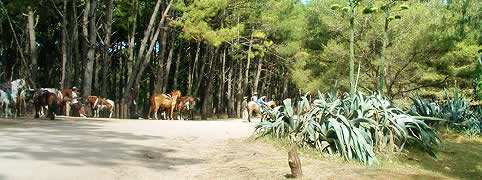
[(17, 94), (171, 103)]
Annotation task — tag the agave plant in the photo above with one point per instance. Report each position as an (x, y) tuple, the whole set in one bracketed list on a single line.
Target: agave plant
[(456, 109), (421, 107), (354, 126)]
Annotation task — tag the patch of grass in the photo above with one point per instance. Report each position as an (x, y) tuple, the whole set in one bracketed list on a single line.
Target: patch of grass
[(460, 156)]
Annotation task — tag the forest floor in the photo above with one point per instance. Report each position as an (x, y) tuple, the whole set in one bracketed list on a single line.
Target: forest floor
[(76, 148)]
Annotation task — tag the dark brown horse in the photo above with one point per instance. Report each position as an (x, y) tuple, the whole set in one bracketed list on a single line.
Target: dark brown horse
[(186, 105), (163, 102), (45, 98)]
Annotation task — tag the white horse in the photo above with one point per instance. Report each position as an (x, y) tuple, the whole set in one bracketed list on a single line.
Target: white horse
[(6, 102), (9, 97)]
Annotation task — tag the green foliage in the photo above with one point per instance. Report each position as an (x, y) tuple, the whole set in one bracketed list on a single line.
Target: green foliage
[(454, 110), (354, 127)]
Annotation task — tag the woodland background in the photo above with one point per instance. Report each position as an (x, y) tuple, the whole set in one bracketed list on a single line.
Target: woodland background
[(222, 50)]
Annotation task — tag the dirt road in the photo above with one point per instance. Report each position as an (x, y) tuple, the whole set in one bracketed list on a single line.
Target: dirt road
[(72, 148)]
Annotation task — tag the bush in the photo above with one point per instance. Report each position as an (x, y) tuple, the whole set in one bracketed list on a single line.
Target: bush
[(455, 111)]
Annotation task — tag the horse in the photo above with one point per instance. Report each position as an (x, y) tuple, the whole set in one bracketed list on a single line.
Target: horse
[(45, 98), (25, 97), (6, 102), (254, 107), (10, 93), (164, 102), (186, 105), (101, 104)]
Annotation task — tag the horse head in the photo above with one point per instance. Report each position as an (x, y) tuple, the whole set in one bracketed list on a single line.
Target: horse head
[(92, 100), (176, 94)]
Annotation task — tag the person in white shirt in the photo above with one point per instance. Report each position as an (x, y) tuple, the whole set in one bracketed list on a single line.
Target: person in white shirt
[(75, 102), (254, 97)]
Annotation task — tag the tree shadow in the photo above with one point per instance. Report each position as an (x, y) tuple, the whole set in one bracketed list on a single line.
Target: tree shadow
[(82, 143)]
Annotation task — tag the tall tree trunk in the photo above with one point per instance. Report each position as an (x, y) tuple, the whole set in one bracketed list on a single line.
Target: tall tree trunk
[(141, 64), (222, 79), (132, 37), (32, 44), (89, 66), (168, 68), (85, 36), (201, 73), (106, 60), (193, 72), (64, 46), (160, 71), (246, 76), (231, 112), (258, 74), (206, 110), (176, 71), (75, 44), (239, 80)]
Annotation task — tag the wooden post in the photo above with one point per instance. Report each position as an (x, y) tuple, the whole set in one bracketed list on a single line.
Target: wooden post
[(294, 161)]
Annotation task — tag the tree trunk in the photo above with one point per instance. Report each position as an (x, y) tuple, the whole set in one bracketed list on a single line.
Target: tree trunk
[(64, 46), (194, 65), (75, 44), (294, 161), (85, 34), (201, 73), (32, 44), (258, 74), (206, 110), (246, 76), (176, 71), (132, 37), (106, 59), (239, 80), (229, 94), (222, 79), (89, 66), (168, 68), (141, 63), (160, 71)]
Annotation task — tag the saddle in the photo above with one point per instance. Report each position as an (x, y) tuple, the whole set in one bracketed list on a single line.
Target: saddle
[(169, 96)]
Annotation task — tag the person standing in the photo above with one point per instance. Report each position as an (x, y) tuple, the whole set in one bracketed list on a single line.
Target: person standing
[(244, 114)]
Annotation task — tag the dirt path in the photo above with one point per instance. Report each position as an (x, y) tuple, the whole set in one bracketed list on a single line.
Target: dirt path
[(71, 148)]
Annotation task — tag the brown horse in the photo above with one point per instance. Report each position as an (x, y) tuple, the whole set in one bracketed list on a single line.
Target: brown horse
[(164, 102), (186, 105), (101, 104), (254, 107), (45, 98)]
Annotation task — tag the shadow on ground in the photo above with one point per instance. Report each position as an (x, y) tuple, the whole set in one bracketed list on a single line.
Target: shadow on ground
[(82, 143)]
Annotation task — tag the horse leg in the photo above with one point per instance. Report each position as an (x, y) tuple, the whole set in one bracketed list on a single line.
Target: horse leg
[(37, 111), (111, 111), (155, 112), (249, 115)]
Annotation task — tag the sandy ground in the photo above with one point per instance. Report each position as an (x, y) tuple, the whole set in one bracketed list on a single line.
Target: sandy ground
[(73, 148)]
